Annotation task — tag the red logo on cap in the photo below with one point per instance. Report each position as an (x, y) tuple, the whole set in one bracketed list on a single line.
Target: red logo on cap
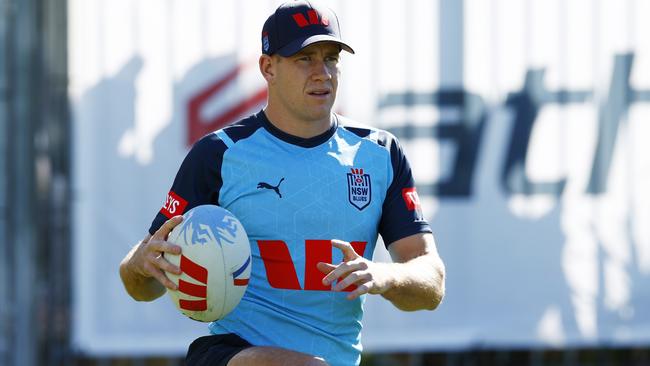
[(312, 15)]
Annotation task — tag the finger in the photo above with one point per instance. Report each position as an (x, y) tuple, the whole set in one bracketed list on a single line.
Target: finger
[(344, 270), (325, 267), (160, 276), (166, 228), (340, 271), (331, 275), (165, 265), (347, 249), (166, 247), (355, 278), (361, 290)]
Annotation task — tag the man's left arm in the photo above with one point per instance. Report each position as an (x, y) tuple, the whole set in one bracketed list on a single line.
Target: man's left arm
[(418, 278), (415, 281)]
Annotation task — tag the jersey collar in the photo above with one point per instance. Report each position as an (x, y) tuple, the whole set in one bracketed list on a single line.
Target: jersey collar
[(295, 140)]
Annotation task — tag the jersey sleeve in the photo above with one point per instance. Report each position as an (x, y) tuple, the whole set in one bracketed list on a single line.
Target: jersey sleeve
[(401, 211), (197, 181)]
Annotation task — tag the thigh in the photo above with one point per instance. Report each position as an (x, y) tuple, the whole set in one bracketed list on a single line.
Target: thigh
[(215, 350), (274, 356)]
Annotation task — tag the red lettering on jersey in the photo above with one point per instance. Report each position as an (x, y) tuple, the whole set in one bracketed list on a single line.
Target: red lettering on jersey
[(316, 251), (359, 247), (174, 205), (411, 198), (280, 271)]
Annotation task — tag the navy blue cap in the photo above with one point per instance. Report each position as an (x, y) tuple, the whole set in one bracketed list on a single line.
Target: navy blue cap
[(297, 24)]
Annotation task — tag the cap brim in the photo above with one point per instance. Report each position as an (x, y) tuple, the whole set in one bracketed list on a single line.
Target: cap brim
[(297, 45)]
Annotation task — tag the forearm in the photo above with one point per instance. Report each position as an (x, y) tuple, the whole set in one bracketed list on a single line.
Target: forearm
[(137, 285), (417, 284)]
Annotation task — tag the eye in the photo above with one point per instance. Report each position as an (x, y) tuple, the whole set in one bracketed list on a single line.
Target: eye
[(304, 58), (332, 59)]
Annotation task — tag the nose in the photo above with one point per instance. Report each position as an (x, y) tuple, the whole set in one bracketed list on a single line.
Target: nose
[(321, 71)]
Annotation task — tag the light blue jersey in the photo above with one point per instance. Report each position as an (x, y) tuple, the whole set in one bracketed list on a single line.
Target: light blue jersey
[(293, 196)]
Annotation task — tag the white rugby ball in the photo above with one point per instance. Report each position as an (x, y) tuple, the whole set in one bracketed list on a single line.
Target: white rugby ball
[(215, 261)]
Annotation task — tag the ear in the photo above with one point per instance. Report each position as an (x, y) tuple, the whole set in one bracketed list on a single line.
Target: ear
[(267, 67)]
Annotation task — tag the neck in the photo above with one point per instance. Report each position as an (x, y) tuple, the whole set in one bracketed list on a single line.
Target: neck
[(299, 127)]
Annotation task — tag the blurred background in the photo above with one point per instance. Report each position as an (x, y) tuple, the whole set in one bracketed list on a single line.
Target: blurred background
[(526, 123)]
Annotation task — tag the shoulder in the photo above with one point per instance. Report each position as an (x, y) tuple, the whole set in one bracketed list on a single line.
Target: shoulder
[(220, 140), (378, 136), (241, 129), (208, 145), (381, 138)]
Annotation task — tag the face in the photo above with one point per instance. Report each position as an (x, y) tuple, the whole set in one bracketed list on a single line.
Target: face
[(304, 85)]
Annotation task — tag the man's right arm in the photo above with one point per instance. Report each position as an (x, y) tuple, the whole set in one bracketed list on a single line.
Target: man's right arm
[(143, 269)]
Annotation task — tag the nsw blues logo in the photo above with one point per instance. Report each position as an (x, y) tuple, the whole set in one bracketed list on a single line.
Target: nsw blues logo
[(359, 189)]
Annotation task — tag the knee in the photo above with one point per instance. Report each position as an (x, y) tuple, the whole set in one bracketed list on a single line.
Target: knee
[(317, 362)]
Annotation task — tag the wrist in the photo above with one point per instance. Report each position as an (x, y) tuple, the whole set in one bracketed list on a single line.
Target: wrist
[(392, 279), (128, 266)]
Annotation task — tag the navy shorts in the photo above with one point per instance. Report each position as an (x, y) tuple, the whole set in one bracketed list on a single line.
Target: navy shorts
[(214, 350)]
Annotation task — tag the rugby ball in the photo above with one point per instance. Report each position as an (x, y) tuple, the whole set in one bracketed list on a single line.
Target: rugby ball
[(215, 262)]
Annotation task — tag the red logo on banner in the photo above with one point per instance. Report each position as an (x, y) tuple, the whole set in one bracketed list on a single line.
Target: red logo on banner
[(198, 126), (411, 198), (174, 205)]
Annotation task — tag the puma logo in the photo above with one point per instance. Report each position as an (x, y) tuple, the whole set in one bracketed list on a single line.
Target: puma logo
[(268, 186)]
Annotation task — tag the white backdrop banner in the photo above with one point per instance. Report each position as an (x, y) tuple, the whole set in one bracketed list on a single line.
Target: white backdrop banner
[(526, 122)]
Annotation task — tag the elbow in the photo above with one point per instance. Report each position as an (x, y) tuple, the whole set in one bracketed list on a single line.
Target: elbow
[(430, 301), (434, 299), (142, 295), (130, 289), (438, 290), (126, 282), (437, 297), (135, 295)]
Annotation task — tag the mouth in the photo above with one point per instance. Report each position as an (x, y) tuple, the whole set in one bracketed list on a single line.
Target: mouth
[(319, 92)]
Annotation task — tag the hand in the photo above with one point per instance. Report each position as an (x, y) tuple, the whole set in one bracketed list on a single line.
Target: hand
[(369, 277), (148, 259)]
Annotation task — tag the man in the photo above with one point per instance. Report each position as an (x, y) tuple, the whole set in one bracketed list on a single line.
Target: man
[(310, 191)]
